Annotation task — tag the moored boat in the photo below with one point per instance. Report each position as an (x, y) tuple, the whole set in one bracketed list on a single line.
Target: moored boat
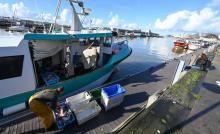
[(76, 60), (181, 43), (178, 49), (18, 29), (193, 44)]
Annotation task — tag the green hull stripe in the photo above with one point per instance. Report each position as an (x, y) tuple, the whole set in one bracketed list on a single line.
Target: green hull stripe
[(72, 84), (32, 36)]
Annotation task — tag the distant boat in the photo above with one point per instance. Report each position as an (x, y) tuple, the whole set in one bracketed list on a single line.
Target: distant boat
[(16, 25), (18, 28), (178, 49), (181, 43), (193, 44), (131, 35)]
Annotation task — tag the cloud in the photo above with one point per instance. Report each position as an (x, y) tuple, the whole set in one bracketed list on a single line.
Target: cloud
[(5, 9), (205, 20), (172, 20), (21, 11), (198, 20), (131, 26), (115, 21), (214, 3), (64, 17), (110, 14), (97, 22), (44, 17)]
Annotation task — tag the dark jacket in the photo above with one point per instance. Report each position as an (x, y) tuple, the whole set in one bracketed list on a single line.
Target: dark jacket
[(49, 97)]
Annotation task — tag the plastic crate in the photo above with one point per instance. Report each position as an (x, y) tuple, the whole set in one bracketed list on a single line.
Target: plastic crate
[(112, 96), (60, 121), (79, 98), (50, 78), (85, 111)]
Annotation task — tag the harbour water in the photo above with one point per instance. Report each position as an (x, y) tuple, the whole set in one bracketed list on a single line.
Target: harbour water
[(146, 52)]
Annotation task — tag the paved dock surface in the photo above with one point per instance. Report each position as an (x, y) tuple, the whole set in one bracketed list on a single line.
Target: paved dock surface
[(205, 116), (138, 88)]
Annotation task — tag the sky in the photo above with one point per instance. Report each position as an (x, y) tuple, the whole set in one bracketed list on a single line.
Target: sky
[(163, 16)]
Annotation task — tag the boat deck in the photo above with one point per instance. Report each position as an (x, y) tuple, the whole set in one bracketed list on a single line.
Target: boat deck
[(138, 88)]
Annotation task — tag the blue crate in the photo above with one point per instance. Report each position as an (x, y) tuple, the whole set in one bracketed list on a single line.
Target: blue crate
[(114, 90), (63, 123), (50, 78)]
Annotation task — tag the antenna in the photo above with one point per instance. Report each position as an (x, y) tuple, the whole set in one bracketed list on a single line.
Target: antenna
[(85, 11)]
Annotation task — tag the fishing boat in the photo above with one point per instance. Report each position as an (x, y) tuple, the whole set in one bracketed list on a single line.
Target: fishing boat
[(16, 25), (131, 35), (178, 50), (180, 46), (77, 60), (193, 44), (18, 28), (181, 43)]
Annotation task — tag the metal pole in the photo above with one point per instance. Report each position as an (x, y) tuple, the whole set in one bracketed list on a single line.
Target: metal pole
[(56, 14)]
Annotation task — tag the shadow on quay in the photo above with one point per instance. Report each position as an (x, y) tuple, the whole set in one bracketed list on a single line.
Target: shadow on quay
[(193, 118), (211, 87), (212, 67)]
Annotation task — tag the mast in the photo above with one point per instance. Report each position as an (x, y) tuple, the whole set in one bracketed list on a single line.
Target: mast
[(76, 23), (56, 14)]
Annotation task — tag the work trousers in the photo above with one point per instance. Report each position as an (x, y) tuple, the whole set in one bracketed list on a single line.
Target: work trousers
[(43, 111)]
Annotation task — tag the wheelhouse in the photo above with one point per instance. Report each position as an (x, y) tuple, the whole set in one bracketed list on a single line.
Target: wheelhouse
[(46, 59)]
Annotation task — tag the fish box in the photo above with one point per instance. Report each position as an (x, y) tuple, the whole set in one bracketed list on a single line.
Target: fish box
[(112, 96), (85, 111), (68, 119), (50, 78), (79, 98)]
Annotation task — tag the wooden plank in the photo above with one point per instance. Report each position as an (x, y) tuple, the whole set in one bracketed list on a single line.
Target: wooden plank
[(35, 124), (27, 126), (5, 130), (19, 128), (12, 129), (40, 123)]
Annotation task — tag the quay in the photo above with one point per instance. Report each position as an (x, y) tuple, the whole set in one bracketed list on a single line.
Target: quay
[(190, 106), (205, 115), (139, 88)]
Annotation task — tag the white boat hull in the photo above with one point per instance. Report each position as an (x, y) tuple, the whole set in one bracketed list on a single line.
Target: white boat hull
[(194, 47)]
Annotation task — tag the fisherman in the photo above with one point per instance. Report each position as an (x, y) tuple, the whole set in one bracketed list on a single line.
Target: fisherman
[(203, 60), (43, 103)]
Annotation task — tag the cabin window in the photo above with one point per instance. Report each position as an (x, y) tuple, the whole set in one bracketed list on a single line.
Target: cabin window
[(11, 66), (82, 42), (107, 42), (96, 42)]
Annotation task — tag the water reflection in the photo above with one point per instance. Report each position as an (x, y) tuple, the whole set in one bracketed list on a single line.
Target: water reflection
[(160, 47), (147, 52)]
